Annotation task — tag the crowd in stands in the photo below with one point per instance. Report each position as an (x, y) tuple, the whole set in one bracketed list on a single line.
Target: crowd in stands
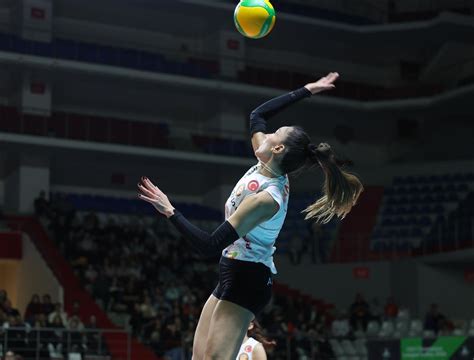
[(146, 278), (143, 274), (45, 329)]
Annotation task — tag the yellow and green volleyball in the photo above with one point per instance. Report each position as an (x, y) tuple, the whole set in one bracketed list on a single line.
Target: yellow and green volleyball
[(254, 18)]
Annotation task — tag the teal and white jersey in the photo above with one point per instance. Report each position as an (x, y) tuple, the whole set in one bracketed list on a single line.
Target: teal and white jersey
[(258, 244)]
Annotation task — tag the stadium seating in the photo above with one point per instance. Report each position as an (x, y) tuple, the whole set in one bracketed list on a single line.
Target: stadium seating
[(424, 212)]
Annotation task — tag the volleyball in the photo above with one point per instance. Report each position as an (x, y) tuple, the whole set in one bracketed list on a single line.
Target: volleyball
[(254, 18)]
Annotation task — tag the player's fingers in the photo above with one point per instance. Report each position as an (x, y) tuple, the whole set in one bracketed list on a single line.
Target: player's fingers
[(145, 191), (146, 198), (149, 185)]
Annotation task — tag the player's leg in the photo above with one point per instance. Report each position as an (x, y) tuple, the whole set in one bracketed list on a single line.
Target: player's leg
[(202, 329), (228, 326)]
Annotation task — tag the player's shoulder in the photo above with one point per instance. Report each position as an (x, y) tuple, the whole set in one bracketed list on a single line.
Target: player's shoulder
[(259, 352)]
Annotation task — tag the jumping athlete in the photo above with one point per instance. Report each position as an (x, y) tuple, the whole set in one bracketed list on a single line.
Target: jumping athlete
[(254, 213)]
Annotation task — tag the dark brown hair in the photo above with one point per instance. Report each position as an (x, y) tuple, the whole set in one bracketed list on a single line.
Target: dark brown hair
[(341, 189), (258, 334)]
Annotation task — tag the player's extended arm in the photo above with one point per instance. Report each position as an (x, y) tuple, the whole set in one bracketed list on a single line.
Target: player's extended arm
[(251, 212), (259, 116)]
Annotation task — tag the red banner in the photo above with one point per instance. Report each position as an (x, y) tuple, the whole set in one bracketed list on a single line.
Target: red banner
[(38, 13), (361, 272), (10, 246), (37, 88)]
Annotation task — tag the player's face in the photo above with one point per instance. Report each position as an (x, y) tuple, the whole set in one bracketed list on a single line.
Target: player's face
[(273, 144)]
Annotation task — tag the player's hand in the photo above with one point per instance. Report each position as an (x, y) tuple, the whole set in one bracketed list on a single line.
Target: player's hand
[(152, 194), (323, 84)]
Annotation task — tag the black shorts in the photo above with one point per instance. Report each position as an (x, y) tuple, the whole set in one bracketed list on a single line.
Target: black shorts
[(244, 283)]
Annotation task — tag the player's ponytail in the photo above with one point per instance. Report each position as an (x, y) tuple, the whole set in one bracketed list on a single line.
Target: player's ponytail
[(340, 190)]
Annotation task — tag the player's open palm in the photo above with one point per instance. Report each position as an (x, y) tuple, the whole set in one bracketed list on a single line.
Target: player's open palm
[(152, 194), (323, 84)]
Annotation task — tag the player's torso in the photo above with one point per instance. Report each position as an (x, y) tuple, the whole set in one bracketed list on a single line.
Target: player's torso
[(257, 245)]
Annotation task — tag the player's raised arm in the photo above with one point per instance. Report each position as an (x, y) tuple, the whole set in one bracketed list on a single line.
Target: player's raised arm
[(260, 115)]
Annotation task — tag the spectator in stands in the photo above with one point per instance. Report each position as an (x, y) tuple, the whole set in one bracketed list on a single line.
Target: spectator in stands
[(3, 297), (340, 327), (391, 309), (76, 309), (41, 205), (93, 337), (77, 340), (10, 355), (376, 310), (47, 306), (360, 313), (36, 334), (58, 311), (33, 309), (434, 319), (9, 310), (55, 337), (172, 339), (74, 322), (16, 334)]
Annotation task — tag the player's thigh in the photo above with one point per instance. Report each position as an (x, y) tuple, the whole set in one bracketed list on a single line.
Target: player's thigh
[(228, 327), (202, 329)]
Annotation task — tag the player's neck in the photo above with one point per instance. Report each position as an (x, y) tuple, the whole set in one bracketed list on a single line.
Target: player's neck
[(269, 170)]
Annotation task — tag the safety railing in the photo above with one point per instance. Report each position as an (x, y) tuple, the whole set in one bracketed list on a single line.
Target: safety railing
[(55, 342)]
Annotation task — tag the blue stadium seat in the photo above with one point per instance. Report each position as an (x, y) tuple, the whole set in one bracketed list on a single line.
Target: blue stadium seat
[(108, 55), (65, 49), (87, 52), (425, 189), (425, 221), (423, 179), (453, 197), (41, 48), (128, 58), (148, 61), (450, 187), (6, 41), (438, 209), (462, 188)]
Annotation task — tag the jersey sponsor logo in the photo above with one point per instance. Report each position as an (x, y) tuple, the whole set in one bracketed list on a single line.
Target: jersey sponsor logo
[(243, 356), (253, 185), (248, 348), (232, 254), (247, 243)]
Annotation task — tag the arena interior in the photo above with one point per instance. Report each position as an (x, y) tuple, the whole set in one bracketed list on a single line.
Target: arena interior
[(95, 95)]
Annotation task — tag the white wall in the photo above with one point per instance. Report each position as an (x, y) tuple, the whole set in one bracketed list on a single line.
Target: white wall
[(413, 284), (335, 283), (447, 287)]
